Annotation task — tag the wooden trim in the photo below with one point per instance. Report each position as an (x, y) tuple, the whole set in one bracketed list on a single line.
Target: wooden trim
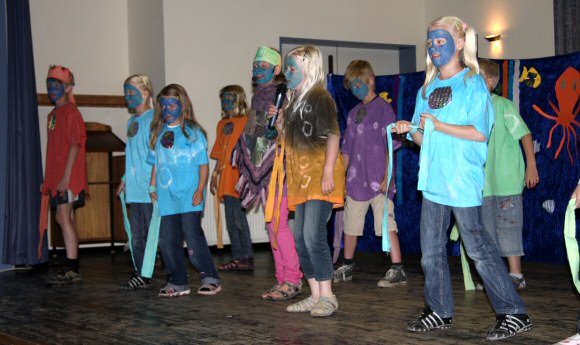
[(98, 101)]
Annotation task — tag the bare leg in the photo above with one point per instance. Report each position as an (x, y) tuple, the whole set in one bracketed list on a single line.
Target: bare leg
[(515, 263), (396, 256), (350, 242), (65, 218)]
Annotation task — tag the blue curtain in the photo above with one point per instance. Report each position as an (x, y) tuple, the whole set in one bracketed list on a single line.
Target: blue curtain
[(20, 149), (3, 115)]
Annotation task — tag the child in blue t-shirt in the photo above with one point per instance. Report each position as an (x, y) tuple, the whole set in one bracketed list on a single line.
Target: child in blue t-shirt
[(452, 122), (138, 97), (178, 181)]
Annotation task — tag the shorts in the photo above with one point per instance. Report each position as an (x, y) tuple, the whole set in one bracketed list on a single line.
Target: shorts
[(503, 219), (355, 213), (68, 197)]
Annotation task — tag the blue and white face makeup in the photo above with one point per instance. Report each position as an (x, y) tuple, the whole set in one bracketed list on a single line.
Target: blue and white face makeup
[(359, 89), (55, 89), (133, 96), (263, 72), (170, 109), (441, 46), (294, 73), (228, 101)]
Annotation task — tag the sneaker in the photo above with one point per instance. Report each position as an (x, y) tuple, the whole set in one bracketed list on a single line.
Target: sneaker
[(172, 290), (326, 306), (343, 273), (394, 277), (520, 283), (428, 321), (65, 277), (506, 326), (137, 282)]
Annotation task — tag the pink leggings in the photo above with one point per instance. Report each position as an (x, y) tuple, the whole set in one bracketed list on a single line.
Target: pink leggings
[(285, 256)]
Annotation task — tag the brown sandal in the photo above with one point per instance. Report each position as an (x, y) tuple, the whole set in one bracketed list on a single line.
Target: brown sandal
[(266, 294), (237, 265), (285, 292)]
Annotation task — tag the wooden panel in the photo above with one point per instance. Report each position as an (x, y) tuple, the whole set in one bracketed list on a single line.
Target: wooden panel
[(97, 101), (94, 220)]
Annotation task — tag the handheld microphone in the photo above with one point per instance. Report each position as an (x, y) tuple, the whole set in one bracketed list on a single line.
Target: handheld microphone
[(281, 90)]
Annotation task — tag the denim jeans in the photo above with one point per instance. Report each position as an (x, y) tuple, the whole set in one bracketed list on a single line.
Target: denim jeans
[(435, 219), (139, 218), (310, 234), (503, 219), (186, 226), (238, 229)]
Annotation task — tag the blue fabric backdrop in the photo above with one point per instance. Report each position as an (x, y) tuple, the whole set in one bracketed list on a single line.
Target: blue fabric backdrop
[(543, 238), (23, 170), (3, 115)]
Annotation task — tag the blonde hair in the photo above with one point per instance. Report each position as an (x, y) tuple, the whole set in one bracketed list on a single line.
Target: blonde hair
[(489, 70), (177, 91), (358, 69), (143, 82), (241, 104), (467, 55), (311, 58)]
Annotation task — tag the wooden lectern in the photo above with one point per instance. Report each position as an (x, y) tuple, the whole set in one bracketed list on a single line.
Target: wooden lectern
[(101, 219)]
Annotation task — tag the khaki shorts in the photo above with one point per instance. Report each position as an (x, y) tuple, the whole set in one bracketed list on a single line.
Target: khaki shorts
[(356, 211)]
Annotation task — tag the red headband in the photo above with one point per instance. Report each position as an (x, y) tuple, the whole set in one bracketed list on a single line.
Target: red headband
[(63, 74)]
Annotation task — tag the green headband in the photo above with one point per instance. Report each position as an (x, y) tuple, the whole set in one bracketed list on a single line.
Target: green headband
[(269, 55)]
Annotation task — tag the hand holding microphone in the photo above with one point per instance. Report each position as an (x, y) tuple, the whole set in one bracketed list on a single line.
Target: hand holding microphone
[(281, 90)]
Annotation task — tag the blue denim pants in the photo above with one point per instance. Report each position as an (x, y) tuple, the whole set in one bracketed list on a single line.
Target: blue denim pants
[(139, 218), (238, 229), (311, 235), (435, 220), (186, 226)]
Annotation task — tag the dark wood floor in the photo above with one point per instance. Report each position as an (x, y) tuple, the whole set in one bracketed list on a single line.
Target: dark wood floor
[(97, 312)]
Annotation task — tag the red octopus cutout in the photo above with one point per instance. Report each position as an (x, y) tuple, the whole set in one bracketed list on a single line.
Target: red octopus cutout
[(567, 94)]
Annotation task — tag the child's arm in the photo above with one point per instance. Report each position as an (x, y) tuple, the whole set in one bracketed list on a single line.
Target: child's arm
[(346, 160), (384, 186), (463, 132), (70, 162), (576, 195), (332, 147), (214, 177), (532, 176), (402, 127), (153, 184), (199, 193)]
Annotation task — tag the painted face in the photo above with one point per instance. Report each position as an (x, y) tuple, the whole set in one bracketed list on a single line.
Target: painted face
[(359, 89), (171, 109), (294, 73), (262, 72), (55, 89), (441, 46), (228, 101), (133, 96)]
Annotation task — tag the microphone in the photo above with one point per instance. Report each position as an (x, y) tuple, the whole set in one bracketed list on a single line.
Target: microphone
[(281, 90)]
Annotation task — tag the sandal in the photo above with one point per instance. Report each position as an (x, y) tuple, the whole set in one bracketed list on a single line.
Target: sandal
[(326, 306), (237, 265), (174, 291), (285, 292), (209, 289), (266, 294), (302, 306)]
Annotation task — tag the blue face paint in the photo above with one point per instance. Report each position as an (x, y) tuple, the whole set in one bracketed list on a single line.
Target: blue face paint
[(441, 46), (262, 72), (170, 109), (293, 73), (55, 89), (228, 101), (133, 96), (359, 89)]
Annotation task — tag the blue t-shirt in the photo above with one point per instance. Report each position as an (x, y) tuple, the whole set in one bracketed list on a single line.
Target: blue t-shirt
[(178, 160), (137, 170), (455, 172)]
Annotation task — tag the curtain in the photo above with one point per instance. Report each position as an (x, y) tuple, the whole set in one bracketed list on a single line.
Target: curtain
[(566, 30), (3, 115), (22, 168)]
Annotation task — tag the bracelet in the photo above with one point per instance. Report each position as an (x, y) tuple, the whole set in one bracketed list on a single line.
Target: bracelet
[(152, 189), (414, 130)]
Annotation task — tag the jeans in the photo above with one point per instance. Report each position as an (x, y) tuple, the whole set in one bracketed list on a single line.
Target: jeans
[(503, 219), (435, 219), (310, 234), (186, 226), (238, 229), (140, 218)]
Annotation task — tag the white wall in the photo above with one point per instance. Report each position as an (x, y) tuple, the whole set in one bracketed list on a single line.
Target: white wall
[(526, 26)]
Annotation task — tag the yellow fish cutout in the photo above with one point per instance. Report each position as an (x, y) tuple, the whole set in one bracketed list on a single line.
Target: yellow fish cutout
[(531, 77), (385, 96)]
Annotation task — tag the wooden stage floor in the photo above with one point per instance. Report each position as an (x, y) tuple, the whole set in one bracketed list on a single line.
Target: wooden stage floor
[(97, 312)]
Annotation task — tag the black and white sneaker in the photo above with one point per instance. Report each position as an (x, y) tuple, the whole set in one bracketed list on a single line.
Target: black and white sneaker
[(428, 321), (137, 282), (506, 326)]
